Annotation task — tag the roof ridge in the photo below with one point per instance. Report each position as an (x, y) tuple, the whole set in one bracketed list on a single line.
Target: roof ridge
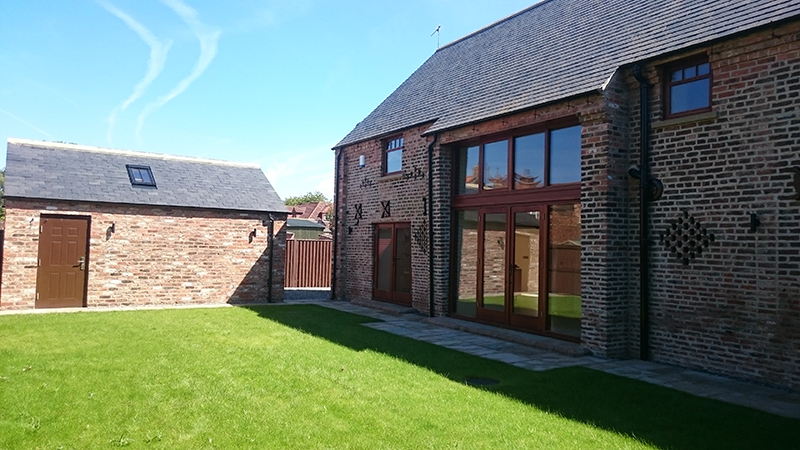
[(92, 149), (494, 24)]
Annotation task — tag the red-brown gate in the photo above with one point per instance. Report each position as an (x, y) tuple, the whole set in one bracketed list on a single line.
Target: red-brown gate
[(308, 263)]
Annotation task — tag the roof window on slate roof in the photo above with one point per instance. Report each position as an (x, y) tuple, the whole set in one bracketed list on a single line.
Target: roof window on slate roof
[(141, 175)]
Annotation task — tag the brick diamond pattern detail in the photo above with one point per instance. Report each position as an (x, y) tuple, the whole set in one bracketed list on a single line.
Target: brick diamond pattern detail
[(686, 238)]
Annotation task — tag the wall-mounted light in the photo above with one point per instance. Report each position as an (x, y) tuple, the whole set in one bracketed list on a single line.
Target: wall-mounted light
[(755, 222), (362, 161), (251, 236), (656, 186), (110, 230)]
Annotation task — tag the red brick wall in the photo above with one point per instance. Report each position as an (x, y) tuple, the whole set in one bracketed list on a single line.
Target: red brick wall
[(158, 255), (405, 193), (735, 309)]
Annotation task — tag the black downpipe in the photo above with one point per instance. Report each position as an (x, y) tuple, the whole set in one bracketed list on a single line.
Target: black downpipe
[(271, 241), (335, 222), (644, 201), (430, 221)]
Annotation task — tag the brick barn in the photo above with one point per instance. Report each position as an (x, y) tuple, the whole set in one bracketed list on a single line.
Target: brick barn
[(616, 173), (95, 227)]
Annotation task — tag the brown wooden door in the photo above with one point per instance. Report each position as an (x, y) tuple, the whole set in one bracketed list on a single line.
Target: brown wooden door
[(63, 248), (392, 272)]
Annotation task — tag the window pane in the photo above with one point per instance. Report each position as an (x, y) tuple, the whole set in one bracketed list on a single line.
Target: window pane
[(469, 173), (565, 155), (689, 96), (494, 261), (526, 263), (402, 260), (394, 161), (137, 175), (677, 75), (145, 175), (703, 69), (495, 165), (564, 270), (529, 161), (690, 72), (466, 262), (384, 274)]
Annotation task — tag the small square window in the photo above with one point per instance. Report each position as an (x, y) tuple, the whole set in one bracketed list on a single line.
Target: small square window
[(393, 156), (688, 90), (141, 175)]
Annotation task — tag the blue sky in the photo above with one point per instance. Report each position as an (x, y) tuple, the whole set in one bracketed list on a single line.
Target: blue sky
[(276, 83)]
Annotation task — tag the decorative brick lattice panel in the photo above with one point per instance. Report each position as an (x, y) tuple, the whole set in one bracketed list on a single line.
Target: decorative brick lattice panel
[(686, 238)]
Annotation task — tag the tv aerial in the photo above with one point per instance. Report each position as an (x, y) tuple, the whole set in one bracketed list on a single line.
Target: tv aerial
[(438, 33)]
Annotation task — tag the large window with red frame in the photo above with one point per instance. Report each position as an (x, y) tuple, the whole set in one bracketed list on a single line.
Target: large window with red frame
[(530, 161)]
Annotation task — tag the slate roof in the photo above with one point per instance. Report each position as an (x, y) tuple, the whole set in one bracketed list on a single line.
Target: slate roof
[(46, 170), (554, 50), (292, 222)]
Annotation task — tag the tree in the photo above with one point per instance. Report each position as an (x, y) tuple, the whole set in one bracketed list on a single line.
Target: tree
[(309, 197)]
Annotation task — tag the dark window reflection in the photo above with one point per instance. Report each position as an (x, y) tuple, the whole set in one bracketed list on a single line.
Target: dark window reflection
[(529, 161), (565, 155), (495, 165), (469, 171)]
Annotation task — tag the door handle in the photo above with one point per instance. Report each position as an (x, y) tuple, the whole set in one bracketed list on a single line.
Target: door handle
[(82, 262)]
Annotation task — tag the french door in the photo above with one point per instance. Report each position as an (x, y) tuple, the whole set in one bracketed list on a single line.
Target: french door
[(392, 277), (527, 267)]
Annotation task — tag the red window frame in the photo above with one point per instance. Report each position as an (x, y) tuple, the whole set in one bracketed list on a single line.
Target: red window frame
[(694, 62), (509, 194), (392, 145)]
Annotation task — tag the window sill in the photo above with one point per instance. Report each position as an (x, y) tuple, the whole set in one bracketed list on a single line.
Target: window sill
[(702, 117), (391, 177)]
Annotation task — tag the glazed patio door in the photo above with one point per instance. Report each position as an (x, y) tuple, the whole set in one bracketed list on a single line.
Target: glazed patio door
[(509, 267), (526, 305), (493, 265), (520, 266)]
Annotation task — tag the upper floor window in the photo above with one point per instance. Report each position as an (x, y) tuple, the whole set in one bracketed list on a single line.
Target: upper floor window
[(688, 86), (393, 156), (141, 175), (524, 162)]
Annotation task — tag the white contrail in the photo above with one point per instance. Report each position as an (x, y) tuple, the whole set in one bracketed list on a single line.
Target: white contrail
[(207, 36), (25, 123), (158, 57)]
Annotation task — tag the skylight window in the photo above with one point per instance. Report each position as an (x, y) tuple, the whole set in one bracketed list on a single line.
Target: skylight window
[(141, 175)]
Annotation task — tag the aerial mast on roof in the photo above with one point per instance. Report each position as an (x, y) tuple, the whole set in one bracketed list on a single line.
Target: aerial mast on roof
[(438, 33)]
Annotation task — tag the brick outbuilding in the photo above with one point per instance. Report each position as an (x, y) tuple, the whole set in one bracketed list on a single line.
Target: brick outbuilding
[(500, 183), (94, 227)]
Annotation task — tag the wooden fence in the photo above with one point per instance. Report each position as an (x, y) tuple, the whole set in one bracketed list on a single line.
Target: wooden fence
[(308, 263)]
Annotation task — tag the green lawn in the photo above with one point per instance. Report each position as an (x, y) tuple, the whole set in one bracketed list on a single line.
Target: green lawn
[(310, 377)]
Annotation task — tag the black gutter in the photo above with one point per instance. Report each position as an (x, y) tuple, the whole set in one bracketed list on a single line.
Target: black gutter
[(271, 241), (430, 221), (644, 201), (335, 220)]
